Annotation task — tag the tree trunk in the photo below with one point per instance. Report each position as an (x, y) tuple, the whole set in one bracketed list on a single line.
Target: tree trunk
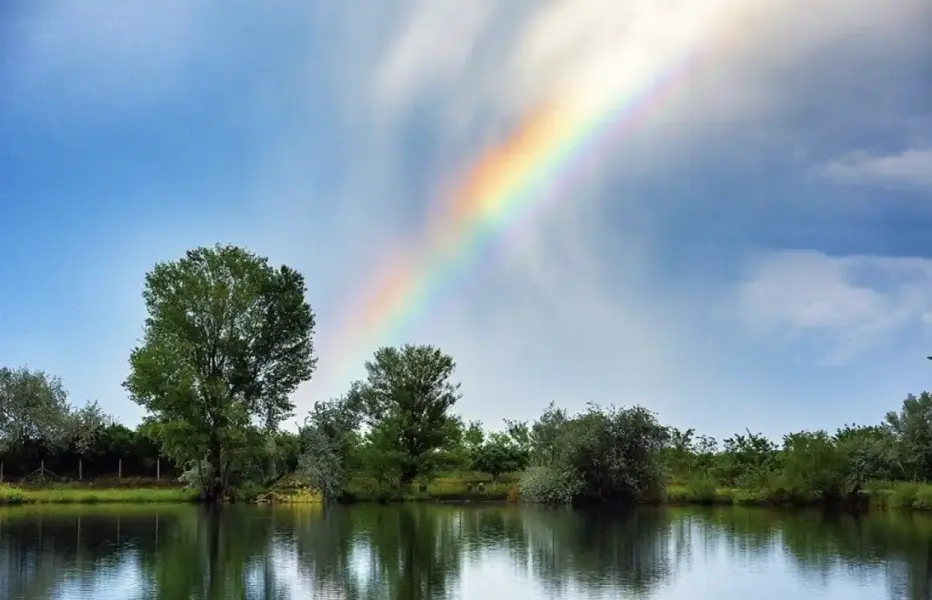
[(215, 488), (200, 479)]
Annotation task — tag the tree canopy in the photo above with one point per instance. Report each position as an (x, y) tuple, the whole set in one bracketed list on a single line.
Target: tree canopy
[(227, 339), (406, 399)]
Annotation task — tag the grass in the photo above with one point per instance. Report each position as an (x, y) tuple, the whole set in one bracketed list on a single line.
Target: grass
[(65, 494), (882, 495), (459, 487)]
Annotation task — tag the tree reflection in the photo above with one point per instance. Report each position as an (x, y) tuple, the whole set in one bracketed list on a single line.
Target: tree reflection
[(425, 552)]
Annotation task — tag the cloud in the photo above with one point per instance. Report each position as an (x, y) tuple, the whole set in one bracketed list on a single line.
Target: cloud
[(848, 303), (500, 58), (912, 168)]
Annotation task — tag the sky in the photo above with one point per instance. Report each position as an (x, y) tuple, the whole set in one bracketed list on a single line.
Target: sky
[(751, 251)]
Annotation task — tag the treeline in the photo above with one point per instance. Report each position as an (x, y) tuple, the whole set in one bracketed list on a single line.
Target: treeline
[(228, 338), (605, 455), (43, 436)]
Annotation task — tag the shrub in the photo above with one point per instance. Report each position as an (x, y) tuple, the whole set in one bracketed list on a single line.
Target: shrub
[(904, 495), (546, 485)]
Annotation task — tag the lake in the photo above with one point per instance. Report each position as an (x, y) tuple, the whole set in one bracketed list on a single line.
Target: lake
[(468, 552)]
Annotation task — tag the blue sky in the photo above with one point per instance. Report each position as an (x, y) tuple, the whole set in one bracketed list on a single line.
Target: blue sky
[(754, 253)]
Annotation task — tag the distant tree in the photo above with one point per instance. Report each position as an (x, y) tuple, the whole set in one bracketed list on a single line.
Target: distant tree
[(33, 409), (545, 433), (88, 423), (473, 436), (746, 457), (812, 463), (227, 339), (406, 399), (912, 428), (328, 438), (519, 433), (499, 454)]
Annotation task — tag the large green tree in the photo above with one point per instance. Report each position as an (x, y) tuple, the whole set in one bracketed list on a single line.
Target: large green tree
[(407, 398), (227, 339)]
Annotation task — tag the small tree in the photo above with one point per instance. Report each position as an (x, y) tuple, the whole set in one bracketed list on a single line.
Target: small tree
[(88, 424), (34, 410), (406, 399), (327, 439), (499, 454), (228, 338)]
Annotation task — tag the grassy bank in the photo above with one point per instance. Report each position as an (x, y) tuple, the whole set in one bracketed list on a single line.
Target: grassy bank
[(88, 495), (442, 489), (460, 488), (895, 495)]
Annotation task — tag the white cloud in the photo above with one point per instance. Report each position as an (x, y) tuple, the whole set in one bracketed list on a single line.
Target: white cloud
[(850, 303), (499, 58), (908, 168)]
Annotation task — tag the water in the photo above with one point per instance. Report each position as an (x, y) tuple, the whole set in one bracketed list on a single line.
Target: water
[(468, 552)]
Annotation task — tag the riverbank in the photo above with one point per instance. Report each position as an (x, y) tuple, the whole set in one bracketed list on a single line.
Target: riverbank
[(442, 489), (896, 495), (64, 494), (452, 489)]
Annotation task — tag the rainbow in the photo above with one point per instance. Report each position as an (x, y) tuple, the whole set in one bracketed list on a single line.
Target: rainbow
[(538, 164)]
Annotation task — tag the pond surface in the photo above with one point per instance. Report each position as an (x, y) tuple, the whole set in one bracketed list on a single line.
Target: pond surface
[(468, 552)]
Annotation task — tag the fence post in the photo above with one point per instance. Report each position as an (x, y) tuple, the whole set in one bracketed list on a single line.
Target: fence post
[(120, 468), (1, 471), (80, 469), (158, 469)]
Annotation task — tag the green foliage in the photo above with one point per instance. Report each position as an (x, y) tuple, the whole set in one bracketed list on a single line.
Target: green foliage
[(406, 400), (601, 455), (473, 436), (33, 407), (328, 440), (227, 339), (912, 428), (499, 454), (87, 426), (544, 435), (746, 459), (549, 485), (812, 464)]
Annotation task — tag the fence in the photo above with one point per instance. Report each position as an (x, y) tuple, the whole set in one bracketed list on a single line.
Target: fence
[(62, 469)]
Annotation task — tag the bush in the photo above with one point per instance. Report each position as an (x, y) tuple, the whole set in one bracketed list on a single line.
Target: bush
[(547, 485), (904, 495), (248, 491), (701, 490)]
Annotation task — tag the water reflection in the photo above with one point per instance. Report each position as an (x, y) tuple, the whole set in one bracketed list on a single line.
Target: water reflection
[(421, 552)]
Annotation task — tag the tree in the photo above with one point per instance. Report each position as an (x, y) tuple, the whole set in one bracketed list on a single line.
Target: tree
[(406, 399), (912, 427), (499, 454), (328, 437), (473, 436), (33, 410), (88, 423), (544, 434), (227, 339)]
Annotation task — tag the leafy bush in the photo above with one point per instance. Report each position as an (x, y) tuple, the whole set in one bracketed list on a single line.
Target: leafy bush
[(547, 485)]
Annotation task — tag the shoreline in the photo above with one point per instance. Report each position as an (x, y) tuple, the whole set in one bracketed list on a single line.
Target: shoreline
[(909, 496)]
